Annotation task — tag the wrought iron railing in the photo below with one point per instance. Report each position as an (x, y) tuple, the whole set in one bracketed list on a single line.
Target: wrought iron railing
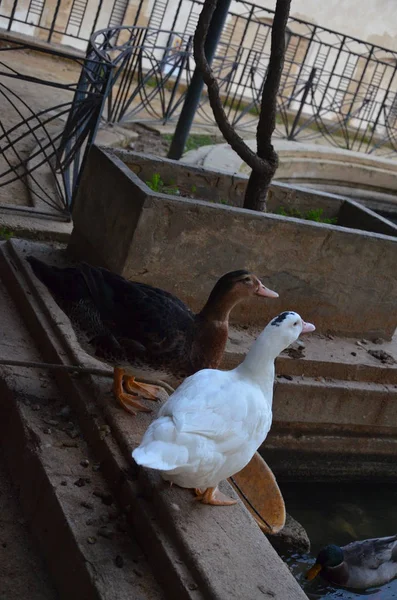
[(47, 124), (70, 23), (149, 76), (333, 86)]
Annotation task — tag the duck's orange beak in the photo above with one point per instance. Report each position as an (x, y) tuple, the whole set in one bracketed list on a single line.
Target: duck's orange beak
[(264, 291), (313, 572)]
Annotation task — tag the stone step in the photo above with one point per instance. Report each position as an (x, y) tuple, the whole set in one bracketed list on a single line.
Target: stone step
[(339, 358), (356, 405)]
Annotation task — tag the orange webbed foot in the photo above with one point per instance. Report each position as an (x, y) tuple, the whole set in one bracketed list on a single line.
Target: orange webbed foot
[(151, 392), (214, 497), (130, 403)]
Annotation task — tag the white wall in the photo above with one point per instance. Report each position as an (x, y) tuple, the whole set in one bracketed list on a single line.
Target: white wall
[(369, 20)]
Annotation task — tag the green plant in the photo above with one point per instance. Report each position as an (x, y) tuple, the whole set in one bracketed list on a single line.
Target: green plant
[(197, 140), (6, 233), (290, 212), (157, 185), (174, 190), (151, 82), (315, 214), (194, 141)]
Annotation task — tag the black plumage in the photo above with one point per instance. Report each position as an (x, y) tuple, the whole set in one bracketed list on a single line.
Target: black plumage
[(127, 323)]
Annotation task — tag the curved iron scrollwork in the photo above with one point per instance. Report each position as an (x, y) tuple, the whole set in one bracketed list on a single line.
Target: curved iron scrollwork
[(46, 125), (149, 66)]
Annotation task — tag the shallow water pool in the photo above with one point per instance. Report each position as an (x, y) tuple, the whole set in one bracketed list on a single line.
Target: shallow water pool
[(340, 513)]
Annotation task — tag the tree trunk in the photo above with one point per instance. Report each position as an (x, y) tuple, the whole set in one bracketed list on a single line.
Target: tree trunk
[(260, 180), (256, 191), (256, 199), (264, 162)]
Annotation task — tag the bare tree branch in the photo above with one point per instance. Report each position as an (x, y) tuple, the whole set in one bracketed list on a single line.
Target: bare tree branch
[(230, 135), (267, 117), (265, 162), (259, 182)]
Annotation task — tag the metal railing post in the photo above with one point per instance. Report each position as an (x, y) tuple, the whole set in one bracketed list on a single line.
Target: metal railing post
[(308, 86), (193, 93)]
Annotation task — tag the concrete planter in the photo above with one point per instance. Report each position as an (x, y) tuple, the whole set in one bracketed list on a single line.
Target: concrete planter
[(343, 279), (367, 178)]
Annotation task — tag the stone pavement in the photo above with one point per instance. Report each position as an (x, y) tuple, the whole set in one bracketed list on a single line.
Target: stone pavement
[(21, 567)]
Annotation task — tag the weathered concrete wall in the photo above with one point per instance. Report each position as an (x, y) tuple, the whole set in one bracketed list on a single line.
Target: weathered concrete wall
[(220, 186), (367, 178), (217, 186), (191, 181), (343, 280)]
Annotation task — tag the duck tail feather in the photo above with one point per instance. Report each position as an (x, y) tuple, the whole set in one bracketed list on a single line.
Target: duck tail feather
[(46, 273), (161, 456), (66, 283)]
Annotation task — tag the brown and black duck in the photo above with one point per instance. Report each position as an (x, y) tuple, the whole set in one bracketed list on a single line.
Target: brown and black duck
[(129, 324)]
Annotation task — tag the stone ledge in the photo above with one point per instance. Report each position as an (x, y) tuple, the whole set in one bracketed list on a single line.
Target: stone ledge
[(63, 50), (30, 225), (45, 465), (181, 538), (326, 366)]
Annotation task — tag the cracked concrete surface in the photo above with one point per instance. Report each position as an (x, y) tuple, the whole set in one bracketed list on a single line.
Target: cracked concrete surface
[(21, 567), (66, 503)]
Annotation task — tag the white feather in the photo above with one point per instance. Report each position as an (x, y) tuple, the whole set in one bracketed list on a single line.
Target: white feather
[(210, 428)]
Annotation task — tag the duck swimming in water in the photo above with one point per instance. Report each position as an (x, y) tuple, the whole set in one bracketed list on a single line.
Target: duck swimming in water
[(129, 324), (359, 565), (211, 426)]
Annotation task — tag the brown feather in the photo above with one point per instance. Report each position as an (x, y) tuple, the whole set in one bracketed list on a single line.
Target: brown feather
[(129, 323)]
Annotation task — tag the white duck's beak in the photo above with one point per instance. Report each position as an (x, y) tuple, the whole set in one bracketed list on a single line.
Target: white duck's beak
[(264, 291), (307, 327)]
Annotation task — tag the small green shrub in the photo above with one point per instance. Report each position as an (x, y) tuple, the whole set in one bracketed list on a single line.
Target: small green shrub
[(290, 212), (315, 214), (157, 185), (5, 233), (194, 141)]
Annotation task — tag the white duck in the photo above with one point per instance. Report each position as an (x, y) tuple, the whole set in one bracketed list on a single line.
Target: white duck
[(212, 425)]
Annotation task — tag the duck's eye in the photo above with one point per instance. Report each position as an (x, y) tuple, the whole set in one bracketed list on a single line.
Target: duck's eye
[(296, 323)]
